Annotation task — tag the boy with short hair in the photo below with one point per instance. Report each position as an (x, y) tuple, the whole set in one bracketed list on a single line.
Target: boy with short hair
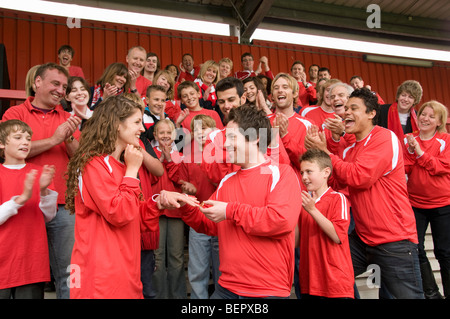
[(154, 111), (26, 203), (325, 265), (189, 94)]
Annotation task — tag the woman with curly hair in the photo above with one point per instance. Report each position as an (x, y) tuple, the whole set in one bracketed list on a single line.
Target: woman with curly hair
[(104, 193)]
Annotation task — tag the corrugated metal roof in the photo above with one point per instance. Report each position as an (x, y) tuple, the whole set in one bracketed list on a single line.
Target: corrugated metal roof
[(411, 20), (433, 9)]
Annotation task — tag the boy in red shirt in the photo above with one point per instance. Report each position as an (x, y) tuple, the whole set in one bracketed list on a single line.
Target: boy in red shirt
[(325, 265), (25, 206), (254, 213)]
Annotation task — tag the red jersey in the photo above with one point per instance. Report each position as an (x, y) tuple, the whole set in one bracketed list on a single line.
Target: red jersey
[(109, 218), (256, 241), (212, 97), (314, 84), (317, 115), (306, 95), (380, 100), (191, 172), (373, 169), (172, 109), (149, 238), (216, 162), (24, 255), (43, 126), (76, 71), (429, 174), (326, 268), (338, 148), (187, 121)]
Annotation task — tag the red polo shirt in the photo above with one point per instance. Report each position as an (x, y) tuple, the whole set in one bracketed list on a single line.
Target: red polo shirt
[(43, 126)]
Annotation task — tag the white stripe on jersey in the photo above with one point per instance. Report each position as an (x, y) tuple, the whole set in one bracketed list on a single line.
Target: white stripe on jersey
[(442, 142), (344, 209), (347, 149), (223, 181), (275, 176), (305, 122), (106, 159), (395, 152), (307, 110)]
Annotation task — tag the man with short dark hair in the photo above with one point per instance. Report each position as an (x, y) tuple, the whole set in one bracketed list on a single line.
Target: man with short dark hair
[(313, 72), (55, 134), (372, 168), (230, 94), (306, 91), (324, 73), (254, 212)]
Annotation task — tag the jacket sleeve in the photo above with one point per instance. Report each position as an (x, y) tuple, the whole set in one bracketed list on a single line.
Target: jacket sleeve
[(149, 215), (379, 157), (439, 164), (294, 148), (118, 203), (173, 170), (194, 218)]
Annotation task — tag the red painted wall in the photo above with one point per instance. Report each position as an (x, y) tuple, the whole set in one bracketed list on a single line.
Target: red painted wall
[(34, 39)]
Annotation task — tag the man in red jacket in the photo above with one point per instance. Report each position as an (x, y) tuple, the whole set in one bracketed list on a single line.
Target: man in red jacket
[(373, 170)]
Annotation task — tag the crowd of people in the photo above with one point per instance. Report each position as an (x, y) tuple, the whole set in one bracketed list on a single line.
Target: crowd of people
[(277, 181)]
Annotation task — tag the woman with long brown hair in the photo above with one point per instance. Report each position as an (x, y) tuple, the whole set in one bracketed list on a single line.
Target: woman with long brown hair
[(104, 193)]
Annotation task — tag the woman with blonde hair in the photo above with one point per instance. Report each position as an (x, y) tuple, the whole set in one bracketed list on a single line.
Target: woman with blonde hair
[(225, 67), (427, 163), (207, 78)]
